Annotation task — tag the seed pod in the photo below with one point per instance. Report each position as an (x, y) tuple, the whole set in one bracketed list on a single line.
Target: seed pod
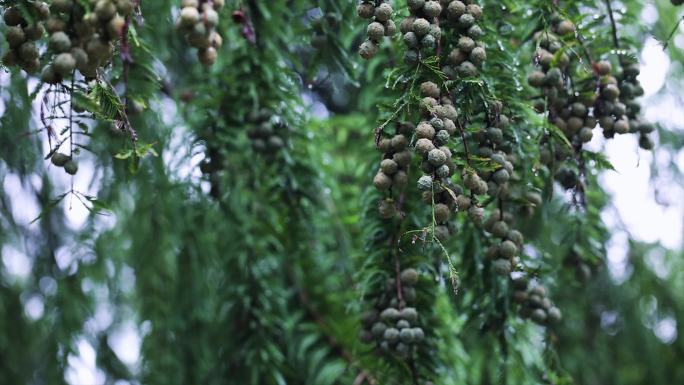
[(466, 44), (385, 145), (428, 43), (520, 296), (390, 314), (425, 183), (383, 12), (437, 123), (443, 171), (35, 31), (539, 316), (463, 203), (478, 56), (421, 27), (610, 92), (15, 36), (409, 294), (418, 334), (59, 42), (207, 56), (388, 166), (378, 329), (71, 167), (645, 142), (536, 79), (465, 21), (415, 5), (409, 314), (432, 9), (12, 17), (425, 130), (368, 50), (500, 229), (429, 89), (441, 212), (603, 67), (59, 159), (105, 9), (409, 276), (365, 10), (406, 335), (391, 335), (382, 182), (424, 146), (28, 52), (565, 27), (585, 134), (64, 64), (406, 24), (399, 142), (501, 176), (387, 209), (516, 237), (442, 233), (447, 112), (402, 158), (502, 266), (400, 179), (508, 249), (436, 157), (621, 126), (554, 315), (375, 31), (49, 76), (411, 40), (475, 11), (466, 69)]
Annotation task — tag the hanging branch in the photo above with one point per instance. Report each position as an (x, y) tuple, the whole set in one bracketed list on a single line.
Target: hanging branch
[(127, 61), (613, 24), (672, 33)]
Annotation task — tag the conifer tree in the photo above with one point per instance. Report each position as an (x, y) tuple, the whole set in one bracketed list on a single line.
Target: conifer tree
[(332, 192)]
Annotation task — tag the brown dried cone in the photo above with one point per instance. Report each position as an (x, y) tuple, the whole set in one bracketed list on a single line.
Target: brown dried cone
[(197, 21), (82, 40), (506, 242), (420, 31), (433, 135), (569, 110), (392, 323), (535, 304), (493, 144), (392, 174), (630, 90), (380, 25), (269, 133), (22, 35), (469, 53)]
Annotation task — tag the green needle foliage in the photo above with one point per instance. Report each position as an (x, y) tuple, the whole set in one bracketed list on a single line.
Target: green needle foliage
[(333, 192)]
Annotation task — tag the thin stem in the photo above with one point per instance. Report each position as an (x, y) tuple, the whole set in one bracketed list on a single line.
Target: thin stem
[(587, 54), (616, 41), (463, 138), (672, 32), (71, 116)]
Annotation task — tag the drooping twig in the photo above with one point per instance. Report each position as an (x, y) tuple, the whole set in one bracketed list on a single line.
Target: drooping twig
[(613, 25), (127, 61), (672, 32), (465, 143)]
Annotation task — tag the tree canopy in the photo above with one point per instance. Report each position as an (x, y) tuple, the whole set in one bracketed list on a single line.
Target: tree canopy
[(334, 192)]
